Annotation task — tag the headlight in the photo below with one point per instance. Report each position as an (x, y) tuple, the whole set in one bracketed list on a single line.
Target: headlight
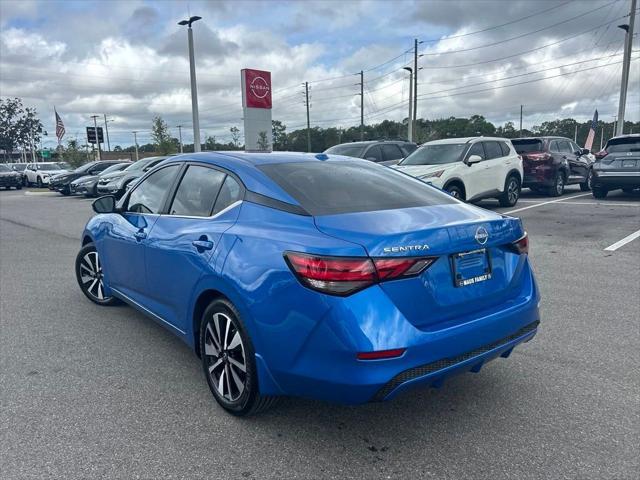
[(437, 174)]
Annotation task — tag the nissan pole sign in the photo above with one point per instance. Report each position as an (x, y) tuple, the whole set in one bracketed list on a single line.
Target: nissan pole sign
[(256, 109)]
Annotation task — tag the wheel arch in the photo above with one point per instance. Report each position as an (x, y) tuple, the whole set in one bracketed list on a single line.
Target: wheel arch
[(200, 305), (515, 172), (458, 182), (86, 239)]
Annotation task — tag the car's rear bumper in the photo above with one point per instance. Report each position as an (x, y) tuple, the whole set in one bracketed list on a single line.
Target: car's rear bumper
[(612, 180), (539, 176), (10, 182)]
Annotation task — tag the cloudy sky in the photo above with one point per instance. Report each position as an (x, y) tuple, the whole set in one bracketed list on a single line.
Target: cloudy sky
[(128, 59)]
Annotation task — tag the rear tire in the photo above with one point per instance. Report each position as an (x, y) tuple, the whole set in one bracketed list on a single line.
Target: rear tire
[(586, 185), (228, 361), (558, 185), (511, 192), (456, 192), (599, 192), (19, 186)]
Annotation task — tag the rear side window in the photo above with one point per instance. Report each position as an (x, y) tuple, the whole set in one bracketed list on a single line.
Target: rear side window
[(327, 188), (391, 152), (149, 195), (554, 146), (492, 150), (374, 154), (506, 151), (230, 193), (528, 145), (197, 192)]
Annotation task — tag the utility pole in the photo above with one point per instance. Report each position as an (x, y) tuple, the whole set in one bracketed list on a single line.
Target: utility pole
[(415, 87), (575, 134), (135, 142), (194, 88), (615, 125), (180, 137), (410, 118), (361, 105), (106, 130), (95, 125), (306, 96), (521, 106), (628, 40), (601, 137)]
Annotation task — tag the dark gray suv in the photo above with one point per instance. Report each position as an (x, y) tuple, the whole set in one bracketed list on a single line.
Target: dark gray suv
[(385, 152)]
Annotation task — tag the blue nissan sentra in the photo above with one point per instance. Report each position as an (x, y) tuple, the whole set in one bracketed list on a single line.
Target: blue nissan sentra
[(312, 275)]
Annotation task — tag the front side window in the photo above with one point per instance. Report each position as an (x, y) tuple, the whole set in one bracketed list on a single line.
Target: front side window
[(565, 146), (492, 150), (391, 152), (374, 154), (553, 146), (149, 195), (477, 149), (197, 192)]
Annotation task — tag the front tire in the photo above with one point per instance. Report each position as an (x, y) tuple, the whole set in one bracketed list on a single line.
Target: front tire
[(586, 185), (456, 192), (599, 192), (19, 186), (558, 185), (511, 192), (228, 361), (39, 182), (90, 276)]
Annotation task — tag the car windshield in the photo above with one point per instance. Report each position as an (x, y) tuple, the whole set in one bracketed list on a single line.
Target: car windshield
[(141, 164), (625, 144), (528, 145), (114, 168), (4, 168), (64, 166), (48, 166), (347, 150), (436, 154), (85, 168), (328, 188)]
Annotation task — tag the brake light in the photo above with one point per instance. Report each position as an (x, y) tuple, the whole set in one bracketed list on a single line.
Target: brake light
[(601, 154), (381, 354), (538, 157), (347, 275), (521, 246)]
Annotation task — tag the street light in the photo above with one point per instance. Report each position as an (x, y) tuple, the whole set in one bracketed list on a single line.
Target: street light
[(194, 90), (410, 120)]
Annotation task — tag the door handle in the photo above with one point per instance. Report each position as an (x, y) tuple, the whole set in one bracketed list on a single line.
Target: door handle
[(202, 244), (140, 235)]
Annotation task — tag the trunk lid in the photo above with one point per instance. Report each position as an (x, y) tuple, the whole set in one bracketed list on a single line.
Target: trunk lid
[(442, 231)]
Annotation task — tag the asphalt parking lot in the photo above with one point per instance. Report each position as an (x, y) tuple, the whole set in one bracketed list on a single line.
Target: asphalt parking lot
[(88, 392)]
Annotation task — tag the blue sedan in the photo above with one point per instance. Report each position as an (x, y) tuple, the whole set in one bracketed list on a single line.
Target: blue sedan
[(312, 275)]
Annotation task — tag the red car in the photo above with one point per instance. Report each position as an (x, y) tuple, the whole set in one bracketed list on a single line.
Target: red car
[(551, 163)]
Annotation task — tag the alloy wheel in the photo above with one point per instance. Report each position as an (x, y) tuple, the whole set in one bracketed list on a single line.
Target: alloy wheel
[(225, 357), (512, 191), (560, 184), (91, 276)]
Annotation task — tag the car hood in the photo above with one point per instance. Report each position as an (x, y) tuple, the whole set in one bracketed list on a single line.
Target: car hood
[(9, 174), (86, 178), (52, 173), (419, 170), (112, 176)]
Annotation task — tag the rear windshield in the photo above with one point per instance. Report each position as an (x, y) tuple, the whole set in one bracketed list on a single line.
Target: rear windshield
[(347, 150), (525, 146), (628, 144), (327, 188)]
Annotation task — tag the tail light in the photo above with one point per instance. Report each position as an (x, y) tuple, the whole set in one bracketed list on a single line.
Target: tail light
[(601, 154), (346, 275), (538, 157), (521, 246)]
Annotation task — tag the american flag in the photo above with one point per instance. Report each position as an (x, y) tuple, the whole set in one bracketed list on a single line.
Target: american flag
[(59, 126), (592, 131)]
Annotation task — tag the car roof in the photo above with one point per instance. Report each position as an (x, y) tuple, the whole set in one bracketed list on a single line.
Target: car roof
[(371, 142), (444, 141)]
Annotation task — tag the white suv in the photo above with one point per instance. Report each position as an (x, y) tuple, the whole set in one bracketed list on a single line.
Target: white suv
[(469, 168), (39, 173)]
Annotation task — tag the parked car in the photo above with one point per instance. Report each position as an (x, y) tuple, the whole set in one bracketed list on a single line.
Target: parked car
[(470, 169), (117, 183), (9, 177), (62, 183), (302, 275), (88, 185), (551, 163), (19, 167), (385, 152), (617, 166), (40, 173)]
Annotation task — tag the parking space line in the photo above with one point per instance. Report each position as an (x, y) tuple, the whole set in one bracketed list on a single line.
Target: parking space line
[(546, 203), (623, 242)]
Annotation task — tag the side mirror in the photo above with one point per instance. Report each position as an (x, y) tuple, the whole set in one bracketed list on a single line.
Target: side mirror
[(474, 159), (105, 204), (584, 151)]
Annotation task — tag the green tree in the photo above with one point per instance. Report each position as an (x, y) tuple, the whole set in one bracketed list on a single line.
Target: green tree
[(161, 137), (74, 154), (263, 142), (210, 143), (117, 148), (235, 136), (279, 133), (19, 126)]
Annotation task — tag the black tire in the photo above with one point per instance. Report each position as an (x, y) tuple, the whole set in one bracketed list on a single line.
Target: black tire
[(19, 186), (25, 181), (456, 192), (66, 191), (628, 190), (224, 356), (39, 182), (586, 185), (511, 192), (89, 276), (558, 185), (599, 192)]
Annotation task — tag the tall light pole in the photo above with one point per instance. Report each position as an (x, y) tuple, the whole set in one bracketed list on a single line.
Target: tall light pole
[(135, 142), (410, 119), (361, 105), (95, 125), (416, 42), (194, 89), (180, 137), (628, 40), (106, 130)]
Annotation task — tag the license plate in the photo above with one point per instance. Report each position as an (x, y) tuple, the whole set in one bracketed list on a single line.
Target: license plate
[(472, 267)]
